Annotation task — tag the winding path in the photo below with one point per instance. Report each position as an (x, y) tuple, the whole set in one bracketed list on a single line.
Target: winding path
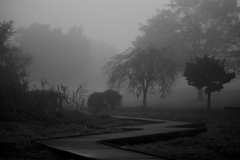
[(105, 146)]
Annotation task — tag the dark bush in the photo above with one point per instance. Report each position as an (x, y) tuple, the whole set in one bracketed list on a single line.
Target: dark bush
[(96, 102), (112, 98), (47, 100)]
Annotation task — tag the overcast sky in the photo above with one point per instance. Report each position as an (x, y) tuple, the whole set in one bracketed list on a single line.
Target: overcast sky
[(113, 21)]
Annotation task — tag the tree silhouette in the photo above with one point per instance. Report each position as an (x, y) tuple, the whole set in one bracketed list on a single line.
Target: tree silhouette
[(6, 32), (142, 70), (14, 71), (112, 98), (196, 27), (207, 72), (96, 102)]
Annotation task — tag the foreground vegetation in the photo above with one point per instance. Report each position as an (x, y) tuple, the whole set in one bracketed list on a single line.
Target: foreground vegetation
[(220, 142), (16, 137)]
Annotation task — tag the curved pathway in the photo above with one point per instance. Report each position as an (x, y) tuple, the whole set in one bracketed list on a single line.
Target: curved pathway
[(105, 146)]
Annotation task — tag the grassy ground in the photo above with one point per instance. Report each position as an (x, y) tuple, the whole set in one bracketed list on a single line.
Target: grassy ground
[(222, 141), (15, 137)]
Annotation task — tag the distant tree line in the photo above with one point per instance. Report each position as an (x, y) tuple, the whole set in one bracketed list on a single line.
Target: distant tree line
[(20, 103), (57, 56)]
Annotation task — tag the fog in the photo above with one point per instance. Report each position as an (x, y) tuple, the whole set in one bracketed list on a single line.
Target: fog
[(184, 96), (113, 21), (105, 27), (110, 25)]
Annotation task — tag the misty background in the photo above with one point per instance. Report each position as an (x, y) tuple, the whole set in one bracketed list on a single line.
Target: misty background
[(71, 41)]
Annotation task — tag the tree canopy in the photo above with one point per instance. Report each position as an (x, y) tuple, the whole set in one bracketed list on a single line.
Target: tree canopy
[(142, 70), (209, 73), (162, 30), (208, 26), (196, 27), (58, 57)]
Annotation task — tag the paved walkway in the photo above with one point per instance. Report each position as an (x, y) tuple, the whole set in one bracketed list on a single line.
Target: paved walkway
[(104, 146)]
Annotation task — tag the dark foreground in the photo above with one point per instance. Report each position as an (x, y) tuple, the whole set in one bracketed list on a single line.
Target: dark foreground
[(222, 141)]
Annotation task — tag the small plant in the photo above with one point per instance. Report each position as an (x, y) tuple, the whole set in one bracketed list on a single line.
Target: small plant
[(112, 98)]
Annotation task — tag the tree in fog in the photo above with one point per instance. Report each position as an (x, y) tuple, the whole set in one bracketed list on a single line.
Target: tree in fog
[(14, 70), (197, 27), (58, 57), (207, 72), (142, 71)]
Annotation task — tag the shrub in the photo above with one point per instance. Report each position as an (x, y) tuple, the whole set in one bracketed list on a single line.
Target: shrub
[(112, 98), (96, 102), (47, 100)]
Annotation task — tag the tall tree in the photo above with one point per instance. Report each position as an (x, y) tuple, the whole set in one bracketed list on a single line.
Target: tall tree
[(208, 27), (207, 72), (142, 71), (58, 57), (6, 32), (198, 27), (14, 70), (162, 30)]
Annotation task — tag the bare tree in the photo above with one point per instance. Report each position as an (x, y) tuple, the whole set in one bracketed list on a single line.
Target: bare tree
[(142, 71)]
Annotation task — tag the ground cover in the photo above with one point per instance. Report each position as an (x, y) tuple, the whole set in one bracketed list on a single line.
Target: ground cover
[(221, 141), (16, 137)]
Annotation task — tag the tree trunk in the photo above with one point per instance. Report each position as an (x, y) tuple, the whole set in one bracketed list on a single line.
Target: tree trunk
[(209, 101), (200, 94), (144, 99)]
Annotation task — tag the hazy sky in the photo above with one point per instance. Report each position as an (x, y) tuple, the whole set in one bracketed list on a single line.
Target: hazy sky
[(113, 21)]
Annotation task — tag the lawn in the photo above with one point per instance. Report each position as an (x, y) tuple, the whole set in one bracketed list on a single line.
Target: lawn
[(16, 137), (222, 141)]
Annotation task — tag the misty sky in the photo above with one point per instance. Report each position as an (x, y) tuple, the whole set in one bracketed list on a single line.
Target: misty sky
[(113, 21)]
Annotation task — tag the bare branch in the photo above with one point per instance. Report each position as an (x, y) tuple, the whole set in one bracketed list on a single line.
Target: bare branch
[(142, 70)]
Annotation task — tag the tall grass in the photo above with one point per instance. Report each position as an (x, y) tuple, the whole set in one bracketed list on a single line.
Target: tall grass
[(50, 105)]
